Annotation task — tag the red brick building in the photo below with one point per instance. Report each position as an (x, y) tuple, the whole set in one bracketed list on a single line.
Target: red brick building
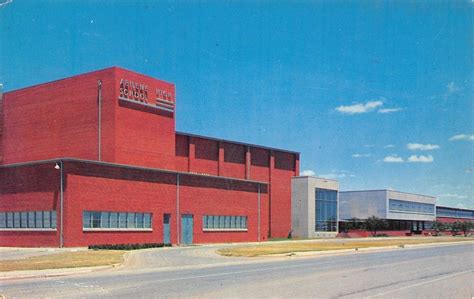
[(95, 159)]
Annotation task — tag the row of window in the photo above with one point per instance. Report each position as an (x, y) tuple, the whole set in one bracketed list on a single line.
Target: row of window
[(443, 212), (224, 222), (120, 220), (411, 207), (28, 220), (125, 220)]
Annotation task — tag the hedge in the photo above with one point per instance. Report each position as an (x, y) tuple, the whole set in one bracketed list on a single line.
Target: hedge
[(128, 246)]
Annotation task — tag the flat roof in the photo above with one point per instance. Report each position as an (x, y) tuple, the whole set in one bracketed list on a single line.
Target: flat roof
[(387, 191), (128, 166), (314, 177), (85, 74), (237, 142)]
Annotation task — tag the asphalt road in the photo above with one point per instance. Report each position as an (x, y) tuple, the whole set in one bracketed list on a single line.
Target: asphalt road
[(429, 272)]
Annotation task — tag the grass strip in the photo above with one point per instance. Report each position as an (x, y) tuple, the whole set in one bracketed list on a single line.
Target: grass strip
[(323, 245), (90, 258)]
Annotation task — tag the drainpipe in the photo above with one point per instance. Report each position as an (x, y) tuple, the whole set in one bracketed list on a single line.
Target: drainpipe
[(61, 203), (258, 202), (178, 237), (99, 103)]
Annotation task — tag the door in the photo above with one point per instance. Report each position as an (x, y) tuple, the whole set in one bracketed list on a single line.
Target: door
[(166, 229), (186, 229)]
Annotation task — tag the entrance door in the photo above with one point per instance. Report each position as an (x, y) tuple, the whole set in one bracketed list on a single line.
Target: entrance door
[(187, 229), (166, 229)]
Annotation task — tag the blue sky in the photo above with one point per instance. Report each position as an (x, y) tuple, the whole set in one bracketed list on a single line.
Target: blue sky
[(376, 94)]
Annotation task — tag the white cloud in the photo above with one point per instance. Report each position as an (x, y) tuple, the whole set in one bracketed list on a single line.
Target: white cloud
[(359, 108), (452, 87), (361, 155), (389, 146), (460, 206), (393, 159), (462, 137), (422, 147), (337, 174), (307, 173), (389, 110), (420, 159), (5, 3)]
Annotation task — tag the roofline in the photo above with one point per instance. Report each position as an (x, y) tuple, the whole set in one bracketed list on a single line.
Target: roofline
[(387, 190), (84, 74), (238, 142), (314, 177), (452, 208), (126, 166)]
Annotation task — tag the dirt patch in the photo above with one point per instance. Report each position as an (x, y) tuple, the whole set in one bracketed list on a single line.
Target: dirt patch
[(90, 258)]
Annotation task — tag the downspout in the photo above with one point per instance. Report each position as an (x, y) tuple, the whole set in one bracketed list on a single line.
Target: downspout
[(258, 214), (61, 203), (99, 103), (178, 237)]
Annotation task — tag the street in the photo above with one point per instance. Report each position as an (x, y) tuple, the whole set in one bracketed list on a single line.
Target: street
[(422, 272)]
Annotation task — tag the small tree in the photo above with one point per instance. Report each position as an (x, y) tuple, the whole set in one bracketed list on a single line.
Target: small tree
[(465, 227), (438, 227), (374, 224), (455, 227)]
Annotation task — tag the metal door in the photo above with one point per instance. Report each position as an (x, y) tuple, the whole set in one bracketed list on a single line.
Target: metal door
[(186, 229), (166, 229)]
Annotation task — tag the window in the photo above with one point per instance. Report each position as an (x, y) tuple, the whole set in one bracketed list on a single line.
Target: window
[(122, 220), (326, 210), (95, 219), (31, 220), (139, 220), (130, 220), (104, 219), (113, 219), (212, 222), (396, 205), (24, 219), (116, 220), (16, 219), (454, 213), (27, 220), (47, 219), (3, 220)]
